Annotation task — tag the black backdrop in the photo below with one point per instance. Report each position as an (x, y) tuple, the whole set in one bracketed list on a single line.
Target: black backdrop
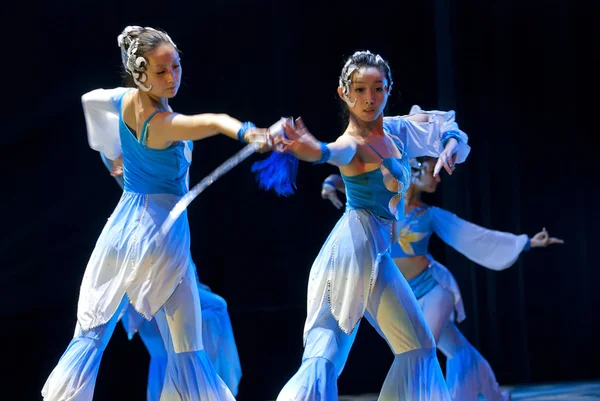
[(509, 71)]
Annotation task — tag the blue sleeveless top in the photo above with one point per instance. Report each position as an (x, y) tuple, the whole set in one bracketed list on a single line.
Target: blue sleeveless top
[(153, 171), (380, 191), (415, 233)]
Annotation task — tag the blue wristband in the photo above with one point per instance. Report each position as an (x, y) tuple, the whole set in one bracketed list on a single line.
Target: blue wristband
[(450, 134), (328, 182), (527, 246), (245, 126), (325, 154)]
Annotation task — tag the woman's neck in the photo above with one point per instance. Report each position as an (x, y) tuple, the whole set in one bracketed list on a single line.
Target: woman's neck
[(362, 128), (412, 198), (161, 103)]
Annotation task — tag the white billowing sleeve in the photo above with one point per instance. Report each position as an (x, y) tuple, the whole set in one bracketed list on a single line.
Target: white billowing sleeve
[(425, 138), (495, 250), (102, 120)]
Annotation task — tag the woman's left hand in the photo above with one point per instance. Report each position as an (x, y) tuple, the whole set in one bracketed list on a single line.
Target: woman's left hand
[(543, 239), (329, 192), (447, 158), (117, 167)]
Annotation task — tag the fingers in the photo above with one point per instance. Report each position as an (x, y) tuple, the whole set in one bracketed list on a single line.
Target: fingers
[(335, 201), (446, 162), (277, 140), (116, 171), (450, 159), (447, 166), (326, 191), (330, 194), (286, 141), (444, 159), (290, 131), (553, 240), (264, 148), (300, 124), (437, 168)]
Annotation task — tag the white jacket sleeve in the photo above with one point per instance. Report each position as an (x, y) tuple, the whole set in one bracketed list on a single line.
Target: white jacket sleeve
[(425, 138), (495, 250), (102, 120)]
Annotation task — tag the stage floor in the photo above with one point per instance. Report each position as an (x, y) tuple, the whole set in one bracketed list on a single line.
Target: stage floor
[(575, 391)]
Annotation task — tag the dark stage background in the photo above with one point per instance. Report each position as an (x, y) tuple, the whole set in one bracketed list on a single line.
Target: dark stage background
[(508, 69)]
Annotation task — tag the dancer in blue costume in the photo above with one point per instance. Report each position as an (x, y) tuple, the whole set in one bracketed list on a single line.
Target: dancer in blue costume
[(353, 275), (131, 264), (468, 374), (217, 333)]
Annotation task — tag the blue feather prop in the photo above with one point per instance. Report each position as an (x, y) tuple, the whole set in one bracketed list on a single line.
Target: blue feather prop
[(277, 172)]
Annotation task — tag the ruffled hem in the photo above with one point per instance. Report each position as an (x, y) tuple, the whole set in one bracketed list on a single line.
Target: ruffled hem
[(74, 378), (469, 374), (219, 343), (191, 376), (415, 376), (315, 380)]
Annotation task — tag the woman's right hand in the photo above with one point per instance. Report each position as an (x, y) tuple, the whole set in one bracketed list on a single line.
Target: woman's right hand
[(261, 136), (330, 193), (300, 141)]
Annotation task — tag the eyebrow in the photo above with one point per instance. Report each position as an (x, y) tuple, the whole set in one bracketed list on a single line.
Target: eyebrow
[(362, 82)]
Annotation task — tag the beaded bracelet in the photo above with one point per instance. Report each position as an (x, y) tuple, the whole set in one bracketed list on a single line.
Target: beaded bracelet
[(450, 134)]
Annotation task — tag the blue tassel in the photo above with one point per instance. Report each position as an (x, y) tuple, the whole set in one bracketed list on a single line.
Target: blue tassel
[(277, 172)]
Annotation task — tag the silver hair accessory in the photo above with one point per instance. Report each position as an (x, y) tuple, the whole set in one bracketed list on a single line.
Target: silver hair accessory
[(125, 34), (134, 64), (420, 167), (414, 163), (137, 66), (345, 82)]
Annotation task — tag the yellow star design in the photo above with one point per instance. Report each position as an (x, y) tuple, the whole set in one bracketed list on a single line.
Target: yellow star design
[(406, 238)]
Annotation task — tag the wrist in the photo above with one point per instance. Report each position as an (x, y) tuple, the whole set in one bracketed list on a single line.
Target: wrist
[(325, 154), (328, 182), (448, 136), (243, 129)]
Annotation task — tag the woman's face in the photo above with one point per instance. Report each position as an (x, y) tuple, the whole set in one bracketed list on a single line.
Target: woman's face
[(367, 94), (425, 181), (164, 71)]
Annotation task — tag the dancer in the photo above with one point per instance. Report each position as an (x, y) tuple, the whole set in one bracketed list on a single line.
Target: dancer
[(217, 333), (128, 264), (354, 274), (468, 374)]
